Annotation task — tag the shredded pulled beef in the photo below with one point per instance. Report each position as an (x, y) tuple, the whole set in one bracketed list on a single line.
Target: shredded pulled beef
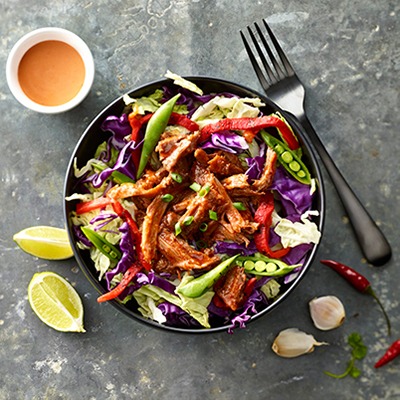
[(178, 233), (220, 163), (230, 287), (181, 254), (268, 172)]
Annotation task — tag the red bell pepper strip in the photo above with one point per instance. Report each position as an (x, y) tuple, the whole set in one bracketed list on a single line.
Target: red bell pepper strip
[(263, 216), (268, 121), (391, 353), (183, 120), (87, 206), (126, 279), (248, 289), (135, 233), (218, 302), (137, 121)]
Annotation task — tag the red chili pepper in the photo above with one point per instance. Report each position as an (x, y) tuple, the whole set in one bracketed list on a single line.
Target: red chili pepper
[(391, 353), (183, 120), (358, 281), (87, 206), (269, 121), (137, 121), (263, 216), (126, 279), (136, 236)]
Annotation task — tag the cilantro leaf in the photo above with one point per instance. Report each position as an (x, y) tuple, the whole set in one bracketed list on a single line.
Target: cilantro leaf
[(358, 352)]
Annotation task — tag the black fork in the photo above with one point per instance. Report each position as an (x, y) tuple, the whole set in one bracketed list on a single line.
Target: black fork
[(282, 85)]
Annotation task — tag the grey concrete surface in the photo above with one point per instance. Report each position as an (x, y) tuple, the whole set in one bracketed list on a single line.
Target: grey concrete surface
[(347, 54)]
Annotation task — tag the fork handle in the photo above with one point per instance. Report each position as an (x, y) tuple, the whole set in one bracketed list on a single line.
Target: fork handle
[(373, 243)]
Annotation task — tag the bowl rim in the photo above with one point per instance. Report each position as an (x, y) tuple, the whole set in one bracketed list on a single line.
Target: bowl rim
[(198, 79), (34, 37)]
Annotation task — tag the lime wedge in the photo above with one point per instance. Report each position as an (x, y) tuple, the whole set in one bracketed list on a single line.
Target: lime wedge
[(56, 302), (44, 242)]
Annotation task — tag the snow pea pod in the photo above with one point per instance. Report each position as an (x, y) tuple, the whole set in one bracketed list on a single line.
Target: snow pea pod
[(103, 245), (288, 158), (197, 286), (265, 266), (154, 129)]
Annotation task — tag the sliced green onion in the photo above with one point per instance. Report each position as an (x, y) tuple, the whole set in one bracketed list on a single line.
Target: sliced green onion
[(213, 215), (201, 244), (176, 177), (239, 206), (178, 229), (188, 220), (204, 190), (195, 186), (167, 197), (203, 227)]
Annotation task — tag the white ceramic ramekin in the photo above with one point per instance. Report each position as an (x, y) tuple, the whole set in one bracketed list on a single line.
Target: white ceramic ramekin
[(41, 35)]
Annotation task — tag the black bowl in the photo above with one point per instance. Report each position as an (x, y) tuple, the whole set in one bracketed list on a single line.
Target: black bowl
[(93, 136)]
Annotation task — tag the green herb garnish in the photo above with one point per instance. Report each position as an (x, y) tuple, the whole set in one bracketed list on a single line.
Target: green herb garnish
[(176, 177), (167, 197), (213, 215), (203, 227), (239, 206), (358, 352), (195, 186), (178, 229), (204, 190), (188, 220)]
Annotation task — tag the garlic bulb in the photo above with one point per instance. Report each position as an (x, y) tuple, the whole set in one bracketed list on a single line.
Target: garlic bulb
[(327, 312), (292, 342)]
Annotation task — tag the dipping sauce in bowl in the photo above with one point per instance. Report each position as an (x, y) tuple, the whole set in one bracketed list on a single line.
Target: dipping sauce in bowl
[(50, 70), (51, 73)]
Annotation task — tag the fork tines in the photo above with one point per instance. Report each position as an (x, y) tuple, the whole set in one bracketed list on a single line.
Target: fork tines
[(278, 66)]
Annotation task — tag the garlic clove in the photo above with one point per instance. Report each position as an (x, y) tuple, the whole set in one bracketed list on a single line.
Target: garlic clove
[(292, 343), (327, 312)]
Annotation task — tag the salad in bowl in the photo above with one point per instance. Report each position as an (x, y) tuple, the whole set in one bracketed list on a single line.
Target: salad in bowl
[(194, 204)]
